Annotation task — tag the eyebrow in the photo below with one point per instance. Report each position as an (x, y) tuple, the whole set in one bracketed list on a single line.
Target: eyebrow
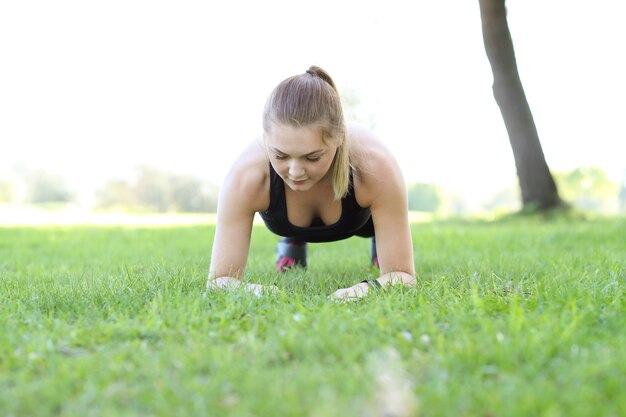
[(308, 154)]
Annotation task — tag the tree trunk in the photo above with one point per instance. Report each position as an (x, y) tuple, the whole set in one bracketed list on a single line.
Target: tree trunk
[(536, 183)]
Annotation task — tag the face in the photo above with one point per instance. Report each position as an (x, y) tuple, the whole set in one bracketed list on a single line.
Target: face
[(300, 155)]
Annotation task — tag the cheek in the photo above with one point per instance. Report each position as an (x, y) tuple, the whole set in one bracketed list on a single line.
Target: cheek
[(280, 167), (323, 169), (328, 164)]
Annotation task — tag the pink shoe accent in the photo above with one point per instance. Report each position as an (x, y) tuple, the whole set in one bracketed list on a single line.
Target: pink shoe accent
[(284, 264)]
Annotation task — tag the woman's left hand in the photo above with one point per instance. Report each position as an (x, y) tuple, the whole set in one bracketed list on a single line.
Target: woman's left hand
[(353, 293)]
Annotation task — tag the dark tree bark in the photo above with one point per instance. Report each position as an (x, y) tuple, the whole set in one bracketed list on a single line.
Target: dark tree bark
[(536, 183)]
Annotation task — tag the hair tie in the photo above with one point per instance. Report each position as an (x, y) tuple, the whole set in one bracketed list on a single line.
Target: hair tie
[(310, 72)]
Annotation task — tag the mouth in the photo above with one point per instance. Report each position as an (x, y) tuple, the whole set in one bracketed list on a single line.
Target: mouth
[(297, 182)]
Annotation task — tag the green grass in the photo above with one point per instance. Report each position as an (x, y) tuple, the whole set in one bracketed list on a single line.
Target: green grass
[(521, 317)]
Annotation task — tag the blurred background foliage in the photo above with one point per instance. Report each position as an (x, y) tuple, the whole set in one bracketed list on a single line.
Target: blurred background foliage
[(152, 190), (6, 191), (157, 190), (585, 188), (589, 188)]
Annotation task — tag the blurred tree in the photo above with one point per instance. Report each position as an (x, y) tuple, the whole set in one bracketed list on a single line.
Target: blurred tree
[(588, 188), (6, 191), (536, 183), (116, 194), (622, 194), (157, 190), (152, 189), (504, 199), (189, 194), (455, 203), (424, 197), (354, 111), (45, 187)]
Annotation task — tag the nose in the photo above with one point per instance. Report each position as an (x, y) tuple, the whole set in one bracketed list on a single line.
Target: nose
[(296, 170)]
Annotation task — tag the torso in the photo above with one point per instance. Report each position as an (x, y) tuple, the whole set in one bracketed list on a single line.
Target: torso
[(352, 219), (303, 208)]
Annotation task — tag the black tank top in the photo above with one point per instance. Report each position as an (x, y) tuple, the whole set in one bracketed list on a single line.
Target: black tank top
[(354, 219)]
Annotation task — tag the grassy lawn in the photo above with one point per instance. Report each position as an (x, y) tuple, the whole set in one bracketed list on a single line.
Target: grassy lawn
[(511, 318)]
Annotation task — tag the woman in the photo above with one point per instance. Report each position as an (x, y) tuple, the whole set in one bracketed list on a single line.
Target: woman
[(313, 179)]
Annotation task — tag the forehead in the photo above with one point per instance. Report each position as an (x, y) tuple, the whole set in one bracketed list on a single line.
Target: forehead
[(290, 139)]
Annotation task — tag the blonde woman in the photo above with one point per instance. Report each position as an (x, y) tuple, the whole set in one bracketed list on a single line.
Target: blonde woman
[(312, 178)]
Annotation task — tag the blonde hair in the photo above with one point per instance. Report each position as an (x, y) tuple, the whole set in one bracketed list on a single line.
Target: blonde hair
[(312, 100)]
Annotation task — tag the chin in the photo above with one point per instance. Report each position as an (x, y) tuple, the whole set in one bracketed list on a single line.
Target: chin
[(307, 185), (303, 187)]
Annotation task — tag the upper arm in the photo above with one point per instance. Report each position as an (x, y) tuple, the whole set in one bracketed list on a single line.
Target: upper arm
[(236, 207), (389, 208)]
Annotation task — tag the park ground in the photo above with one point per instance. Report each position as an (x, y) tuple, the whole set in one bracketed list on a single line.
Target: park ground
[(514, 317)]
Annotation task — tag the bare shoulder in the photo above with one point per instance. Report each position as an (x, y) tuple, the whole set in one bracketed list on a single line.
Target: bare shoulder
[(248, 178), (376, 170), (368, 152)]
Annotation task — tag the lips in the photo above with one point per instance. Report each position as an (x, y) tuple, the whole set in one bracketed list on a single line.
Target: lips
[(297, 182)]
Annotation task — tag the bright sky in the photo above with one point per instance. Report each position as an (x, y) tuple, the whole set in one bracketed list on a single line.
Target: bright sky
[(91, 89)]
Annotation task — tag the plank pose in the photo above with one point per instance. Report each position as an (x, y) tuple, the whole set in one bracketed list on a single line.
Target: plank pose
[(312, 178)]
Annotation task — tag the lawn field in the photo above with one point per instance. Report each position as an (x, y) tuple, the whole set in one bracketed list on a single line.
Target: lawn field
[(518, 317)]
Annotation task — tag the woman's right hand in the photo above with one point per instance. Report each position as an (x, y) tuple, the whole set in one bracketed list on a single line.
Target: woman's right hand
[(221, 283)]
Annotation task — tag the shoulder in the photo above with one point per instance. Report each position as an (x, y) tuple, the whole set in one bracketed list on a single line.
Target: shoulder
[(248, 178), (368, 153), (376, 170)]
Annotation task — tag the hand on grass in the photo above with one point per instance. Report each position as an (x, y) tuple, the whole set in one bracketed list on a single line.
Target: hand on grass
[(226, 283), (353, 293), (260, 290)]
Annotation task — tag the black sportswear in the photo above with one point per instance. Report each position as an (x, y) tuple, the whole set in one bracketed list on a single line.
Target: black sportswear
[(354, 219)]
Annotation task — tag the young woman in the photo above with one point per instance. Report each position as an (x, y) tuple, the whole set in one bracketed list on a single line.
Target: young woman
[(312, 178)]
